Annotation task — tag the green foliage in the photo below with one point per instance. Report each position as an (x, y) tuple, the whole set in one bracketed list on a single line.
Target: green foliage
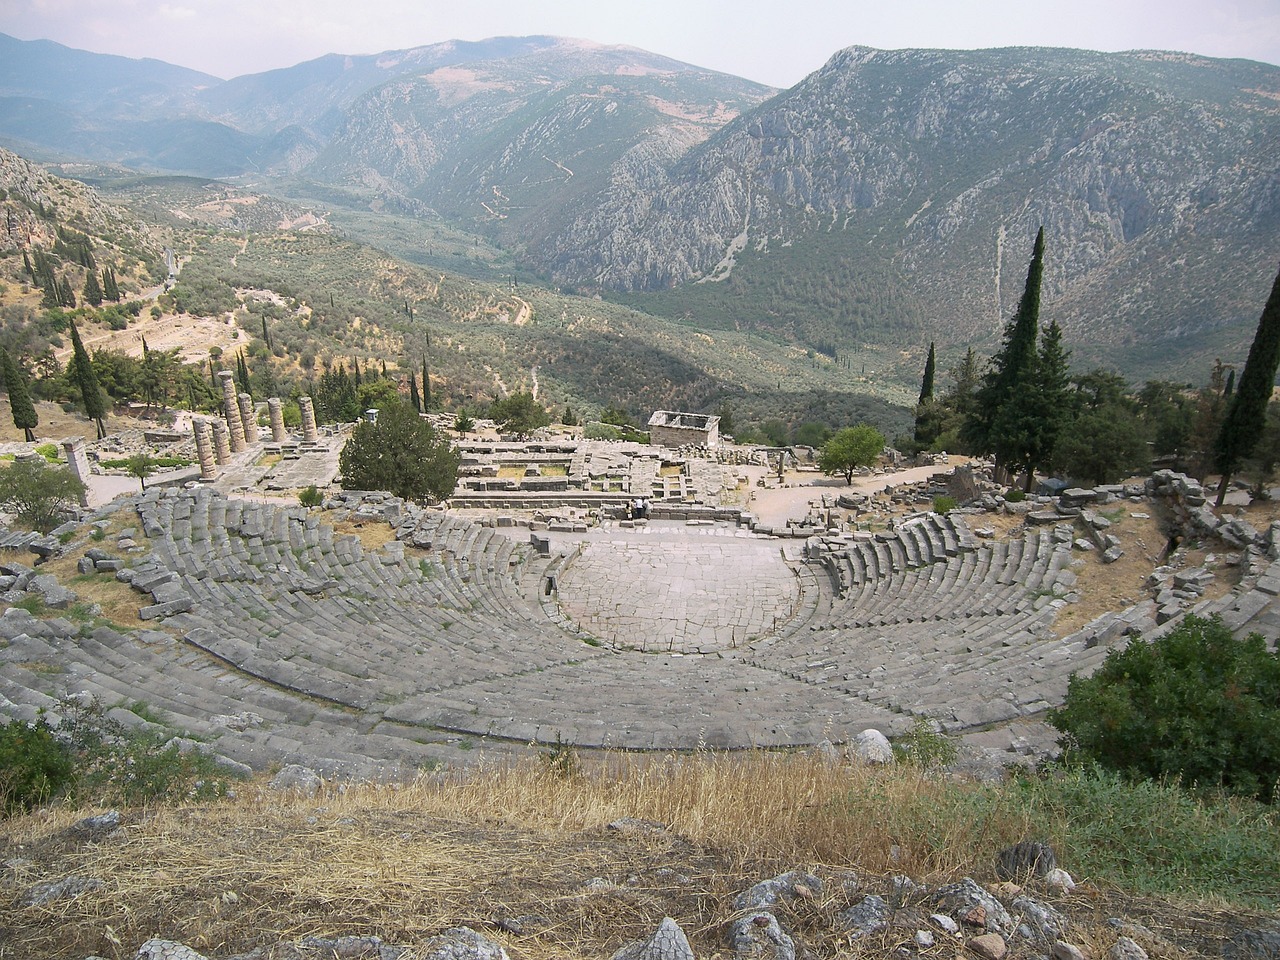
[(310, 496), (999, 424), (560, 759), (1197, 704), (34, 766), (925, 746), (944, 504), (849, 449), (400, 453), (39, 494), (1156, 838), (1101, 446), (166, 463), (86, 379), (115, 764), (15, 381), (1014, 495), (141, 465), (1247, 407), (519, 413), (49, 451), (463, 422)]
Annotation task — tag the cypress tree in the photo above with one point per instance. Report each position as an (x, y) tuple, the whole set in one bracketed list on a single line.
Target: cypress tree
[(110, 288), (356, 379), (426, 385), (924, 405), (1230, 388), (413, 393), (266, 337), (90, 393), (1247, 409), (92, 292), (66, 296), (926, 382), (242, 373), (996, 426), (24, 411), (26, 265)]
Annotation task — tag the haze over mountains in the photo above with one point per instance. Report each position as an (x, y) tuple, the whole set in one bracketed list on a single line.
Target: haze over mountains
[(889, 198)]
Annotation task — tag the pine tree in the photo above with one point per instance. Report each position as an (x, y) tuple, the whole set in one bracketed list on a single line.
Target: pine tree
[(1247, 409), (92, 292), (90, 393), (24, 411), (1047, 399)]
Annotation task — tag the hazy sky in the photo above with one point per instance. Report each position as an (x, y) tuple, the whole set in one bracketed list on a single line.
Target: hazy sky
[(771, 41)]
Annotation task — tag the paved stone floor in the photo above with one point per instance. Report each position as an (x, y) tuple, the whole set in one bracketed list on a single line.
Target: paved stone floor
[(665, 588)]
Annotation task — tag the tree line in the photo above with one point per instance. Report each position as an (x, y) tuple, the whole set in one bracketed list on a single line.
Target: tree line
[(1029, 411)]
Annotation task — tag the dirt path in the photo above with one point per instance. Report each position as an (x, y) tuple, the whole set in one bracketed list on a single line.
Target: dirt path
[(775, 507)]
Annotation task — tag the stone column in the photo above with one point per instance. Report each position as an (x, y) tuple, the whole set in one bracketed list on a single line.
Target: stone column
[(248, 419), (204, 450), (221, 443), (232, 409), (78, 461), (309, 432), (276, 410)]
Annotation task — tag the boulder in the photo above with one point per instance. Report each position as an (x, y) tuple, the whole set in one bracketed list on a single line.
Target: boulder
[(783, 888), (759, 936), (667, 943), (296, 778), (461, 943), (871, 746)]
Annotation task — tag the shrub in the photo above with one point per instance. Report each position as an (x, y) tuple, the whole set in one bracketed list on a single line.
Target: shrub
[(1197, 704), (310, 496), (925, 746), (34, 766), (944, 504), (1014, 495), (39, 494)]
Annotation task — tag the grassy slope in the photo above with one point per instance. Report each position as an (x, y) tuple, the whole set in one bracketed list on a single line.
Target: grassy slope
[(405, 863)]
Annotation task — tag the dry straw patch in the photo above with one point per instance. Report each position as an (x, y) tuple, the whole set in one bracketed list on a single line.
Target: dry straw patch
[(405, 862)]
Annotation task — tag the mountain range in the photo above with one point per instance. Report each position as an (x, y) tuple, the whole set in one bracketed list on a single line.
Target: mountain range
[(890, 198)]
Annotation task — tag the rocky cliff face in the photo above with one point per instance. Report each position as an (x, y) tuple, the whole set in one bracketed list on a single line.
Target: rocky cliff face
[(1156, 177)]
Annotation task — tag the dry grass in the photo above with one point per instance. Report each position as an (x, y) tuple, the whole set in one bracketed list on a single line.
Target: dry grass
[(404, 862), (371, 533), (119, 602)]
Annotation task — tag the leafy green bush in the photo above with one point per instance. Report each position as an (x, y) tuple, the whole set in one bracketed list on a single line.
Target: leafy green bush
[(944, 504), (115, 764), (39, 494), (310, 496), (1197, 704), (49, 451), (925, 746), (1014, 495), (34, 766)]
